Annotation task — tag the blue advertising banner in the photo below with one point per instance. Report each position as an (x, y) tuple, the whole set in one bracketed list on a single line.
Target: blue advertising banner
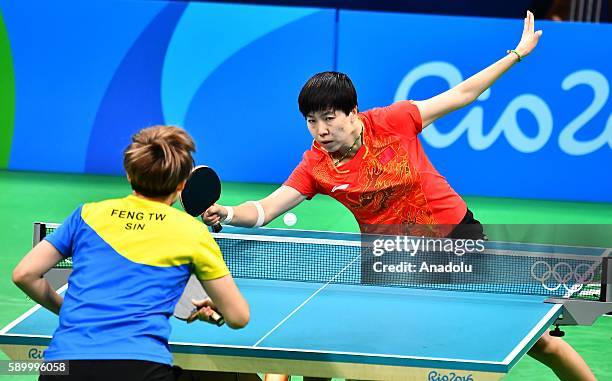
[(81, 77), (544, 130), (90, 74)]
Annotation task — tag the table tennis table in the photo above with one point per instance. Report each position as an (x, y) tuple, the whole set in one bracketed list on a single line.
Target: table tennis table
[(329, 327)]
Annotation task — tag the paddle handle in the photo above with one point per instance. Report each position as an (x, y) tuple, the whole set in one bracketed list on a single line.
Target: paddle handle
[(216, 227), (216, 318)]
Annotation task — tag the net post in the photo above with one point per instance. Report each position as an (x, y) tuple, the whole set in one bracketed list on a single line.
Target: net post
[(40, 231), (606, 279)]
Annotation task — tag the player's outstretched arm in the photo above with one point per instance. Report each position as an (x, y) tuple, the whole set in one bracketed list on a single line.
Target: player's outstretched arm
[(249, 214), (28, 275), (470, 89)]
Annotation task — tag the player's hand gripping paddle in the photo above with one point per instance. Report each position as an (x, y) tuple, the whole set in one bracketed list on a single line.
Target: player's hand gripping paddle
[(203, 189), (185, 310)]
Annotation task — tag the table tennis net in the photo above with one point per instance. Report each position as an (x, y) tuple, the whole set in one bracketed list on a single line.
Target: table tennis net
[(322, 257)]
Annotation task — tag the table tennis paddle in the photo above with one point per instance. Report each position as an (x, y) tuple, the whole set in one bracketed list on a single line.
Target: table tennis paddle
[(202, 190), (185, 310)]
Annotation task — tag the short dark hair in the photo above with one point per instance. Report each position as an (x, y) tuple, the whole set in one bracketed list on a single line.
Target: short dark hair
[(158, 159), (328, 90)]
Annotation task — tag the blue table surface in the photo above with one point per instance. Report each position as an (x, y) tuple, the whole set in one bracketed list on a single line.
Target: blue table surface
[(357, 323), (364, 322)]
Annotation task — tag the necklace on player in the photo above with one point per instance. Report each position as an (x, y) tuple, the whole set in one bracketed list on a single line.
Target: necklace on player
[(348, 152)]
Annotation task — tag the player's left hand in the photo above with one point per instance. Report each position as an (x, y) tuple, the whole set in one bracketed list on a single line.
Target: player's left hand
[(206, 309), (529, 39)]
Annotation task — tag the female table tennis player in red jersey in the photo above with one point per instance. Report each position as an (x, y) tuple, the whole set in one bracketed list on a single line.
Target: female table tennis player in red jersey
[(114, 318), (373, 163)]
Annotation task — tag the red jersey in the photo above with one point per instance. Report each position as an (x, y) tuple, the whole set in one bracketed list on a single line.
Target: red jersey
[(390, 180)]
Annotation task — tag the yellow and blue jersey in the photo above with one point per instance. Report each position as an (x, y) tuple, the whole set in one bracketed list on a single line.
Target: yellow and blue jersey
[(132, 258)]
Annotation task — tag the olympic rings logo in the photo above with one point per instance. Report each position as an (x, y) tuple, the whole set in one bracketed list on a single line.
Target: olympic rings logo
[(562, 274)]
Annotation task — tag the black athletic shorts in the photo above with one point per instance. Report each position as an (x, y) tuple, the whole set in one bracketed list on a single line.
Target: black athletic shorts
[(114, 370), (468, 228)]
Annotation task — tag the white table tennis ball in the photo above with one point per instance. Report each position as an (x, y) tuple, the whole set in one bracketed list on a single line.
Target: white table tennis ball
[(290, 219)]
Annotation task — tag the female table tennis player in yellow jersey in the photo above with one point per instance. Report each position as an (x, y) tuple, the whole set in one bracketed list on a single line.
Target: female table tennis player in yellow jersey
[(132, 258), (373, 163)]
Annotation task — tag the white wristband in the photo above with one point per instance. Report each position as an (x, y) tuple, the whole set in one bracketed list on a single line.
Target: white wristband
[(230, 215), (261, 214)]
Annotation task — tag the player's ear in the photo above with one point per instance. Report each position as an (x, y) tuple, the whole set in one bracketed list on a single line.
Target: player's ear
[(354, 113), (181, 186)]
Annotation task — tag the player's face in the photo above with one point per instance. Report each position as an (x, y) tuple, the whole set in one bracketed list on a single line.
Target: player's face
[(332, 129)]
